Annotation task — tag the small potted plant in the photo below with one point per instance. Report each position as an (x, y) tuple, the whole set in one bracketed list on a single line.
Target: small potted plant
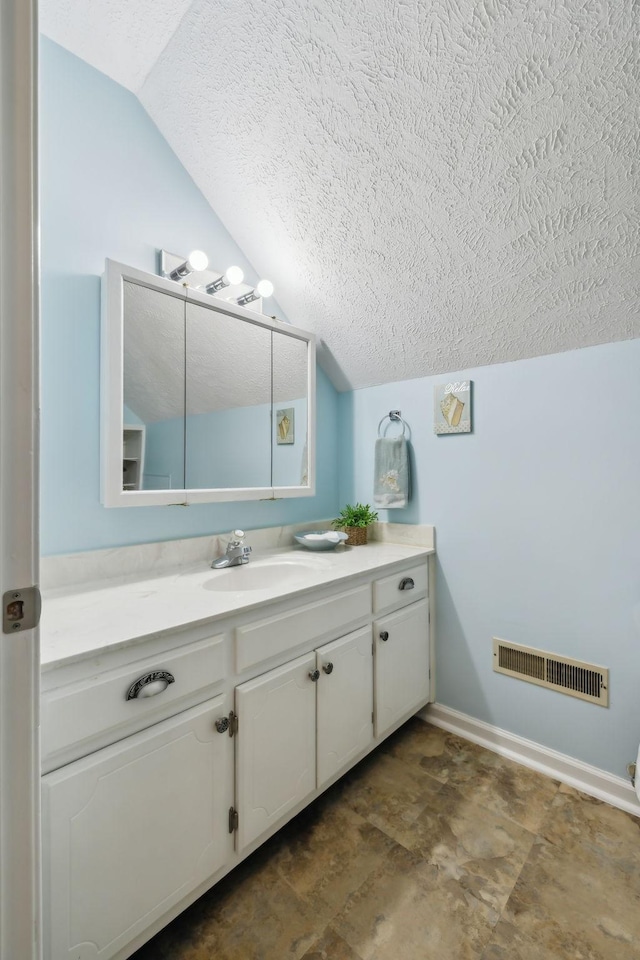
[(355, 519)]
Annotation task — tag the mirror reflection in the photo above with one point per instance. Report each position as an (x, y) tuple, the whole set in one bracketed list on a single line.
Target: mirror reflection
[(154, 389), (211, 401), (289, 442), (228, 397)]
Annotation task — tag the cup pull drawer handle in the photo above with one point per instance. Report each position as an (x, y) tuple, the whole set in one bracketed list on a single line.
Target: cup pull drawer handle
[(150, 684), (406, 584)]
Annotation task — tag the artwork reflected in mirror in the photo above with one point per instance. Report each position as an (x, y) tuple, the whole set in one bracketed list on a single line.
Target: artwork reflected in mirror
[(285, 425), (289, 443)]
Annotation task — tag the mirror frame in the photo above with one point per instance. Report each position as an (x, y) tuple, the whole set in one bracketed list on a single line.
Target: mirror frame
[(112, 394)]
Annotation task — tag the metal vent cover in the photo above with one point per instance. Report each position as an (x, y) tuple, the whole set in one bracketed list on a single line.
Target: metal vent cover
[(573, 677)]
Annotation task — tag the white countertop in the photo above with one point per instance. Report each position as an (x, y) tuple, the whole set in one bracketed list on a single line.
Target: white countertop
[(81, 622)]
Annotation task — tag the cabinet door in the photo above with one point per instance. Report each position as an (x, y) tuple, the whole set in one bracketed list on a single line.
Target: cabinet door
[(345, 701), (131, 830), (401, 669), (276, 745)]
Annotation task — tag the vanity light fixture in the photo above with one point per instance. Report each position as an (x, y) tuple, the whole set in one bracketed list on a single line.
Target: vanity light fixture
[(263, 289), (231, 277), (195, 262)]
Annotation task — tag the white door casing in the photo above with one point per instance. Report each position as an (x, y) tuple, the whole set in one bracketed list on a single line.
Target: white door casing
[(19, 653)]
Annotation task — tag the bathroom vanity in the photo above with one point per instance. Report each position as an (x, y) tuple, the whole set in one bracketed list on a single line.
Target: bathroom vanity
[(268, 682)]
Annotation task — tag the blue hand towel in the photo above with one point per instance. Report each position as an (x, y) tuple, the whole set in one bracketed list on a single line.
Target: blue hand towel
[(392, 476)]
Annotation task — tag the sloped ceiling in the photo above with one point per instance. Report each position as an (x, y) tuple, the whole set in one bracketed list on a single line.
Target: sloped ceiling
[(159, 363), (118, 37), (430, 185)]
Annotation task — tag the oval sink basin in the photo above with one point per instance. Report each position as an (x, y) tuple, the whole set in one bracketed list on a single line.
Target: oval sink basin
[(259, 576)]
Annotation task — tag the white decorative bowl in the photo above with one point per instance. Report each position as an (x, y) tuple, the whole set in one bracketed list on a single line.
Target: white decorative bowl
[(320, 539)]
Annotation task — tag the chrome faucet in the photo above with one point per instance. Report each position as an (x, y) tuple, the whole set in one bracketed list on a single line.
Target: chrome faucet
[(237, 552)]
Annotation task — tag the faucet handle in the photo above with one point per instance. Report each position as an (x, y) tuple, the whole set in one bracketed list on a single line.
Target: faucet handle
[(236, 545)]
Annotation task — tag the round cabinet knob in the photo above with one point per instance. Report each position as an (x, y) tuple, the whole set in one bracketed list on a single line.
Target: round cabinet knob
[(150, 684), (327, 667), (222, 725), (384, 635), (406, 584), (314, 675)]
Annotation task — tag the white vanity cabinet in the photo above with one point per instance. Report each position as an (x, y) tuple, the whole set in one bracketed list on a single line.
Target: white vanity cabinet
[(299, 726), (132, 829), (276, 746), (149, 801), (344, 703), (401, 664)]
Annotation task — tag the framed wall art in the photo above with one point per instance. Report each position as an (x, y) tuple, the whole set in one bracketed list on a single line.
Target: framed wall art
[(285, 429), (452, 407)]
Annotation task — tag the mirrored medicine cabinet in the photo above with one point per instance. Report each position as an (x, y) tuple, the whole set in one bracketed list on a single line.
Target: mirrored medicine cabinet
[(202, 400)]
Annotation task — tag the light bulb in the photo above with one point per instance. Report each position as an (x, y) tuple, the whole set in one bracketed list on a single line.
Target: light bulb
[(264, 288), (198, 260), (234, 276)]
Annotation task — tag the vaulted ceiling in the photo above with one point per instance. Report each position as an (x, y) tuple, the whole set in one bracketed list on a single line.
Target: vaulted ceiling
[(430, 185)]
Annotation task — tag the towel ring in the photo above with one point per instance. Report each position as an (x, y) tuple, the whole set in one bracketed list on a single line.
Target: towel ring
[(394, 417)]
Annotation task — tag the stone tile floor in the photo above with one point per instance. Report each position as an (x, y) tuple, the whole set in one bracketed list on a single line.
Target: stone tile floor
[(432, 848)]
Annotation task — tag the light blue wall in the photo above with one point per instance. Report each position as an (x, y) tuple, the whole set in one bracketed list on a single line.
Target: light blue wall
[(131, 418), (164, 467), (226, 448), (537, 516), (245, 432), (111, 187)]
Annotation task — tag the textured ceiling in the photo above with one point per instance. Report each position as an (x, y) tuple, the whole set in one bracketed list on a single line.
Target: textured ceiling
[(176, 352), (430, 186), (122, 38)]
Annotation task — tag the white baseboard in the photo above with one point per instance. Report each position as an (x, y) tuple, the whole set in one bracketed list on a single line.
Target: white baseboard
[(591, 780)]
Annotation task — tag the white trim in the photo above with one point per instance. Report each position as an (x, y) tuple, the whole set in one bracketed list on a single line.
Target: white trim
[(590, 780), (311, 420), (20, 926)]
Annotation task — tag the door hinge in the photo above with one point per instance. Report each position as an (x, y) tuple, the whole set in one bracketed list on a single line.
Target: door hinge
[(21, 609), (233, 723), (233, 819), (229, 723)]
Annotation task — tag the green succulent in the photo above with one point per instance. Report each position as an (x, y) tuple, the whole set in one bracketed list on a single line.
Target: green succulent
[(355, 515)]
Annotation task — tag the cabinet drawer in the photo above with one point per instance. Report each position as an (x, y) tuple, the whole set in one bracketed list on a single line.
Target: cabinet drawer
[(95, 711), (334, 616), (389, 594)]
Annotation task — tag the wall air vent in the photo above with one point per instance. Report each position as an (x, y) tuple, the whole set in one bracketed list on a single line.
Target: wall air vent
[(584, 680)]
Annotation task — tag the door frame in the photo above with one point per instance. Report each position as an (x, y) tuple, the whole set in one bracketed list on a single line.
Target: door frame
[(20, 925)]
